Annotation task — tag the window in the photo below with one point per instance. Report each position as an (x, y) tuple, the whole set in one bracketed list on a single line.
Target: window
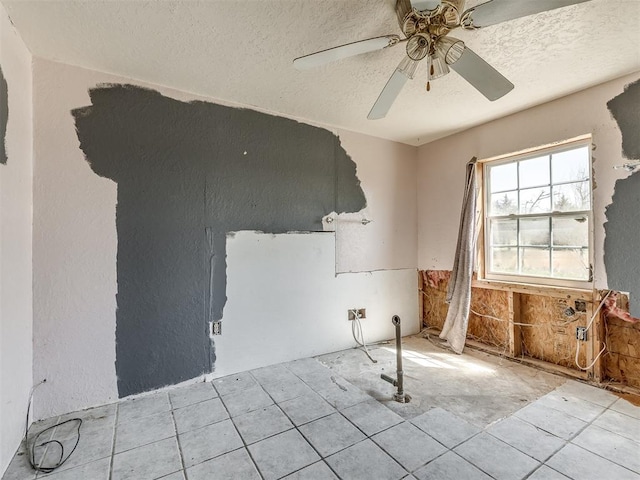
[(538, 216)]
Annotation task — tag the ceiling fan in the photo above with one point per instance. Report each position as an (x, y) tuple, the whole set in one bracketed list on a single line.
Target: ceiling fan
[(426, 25)]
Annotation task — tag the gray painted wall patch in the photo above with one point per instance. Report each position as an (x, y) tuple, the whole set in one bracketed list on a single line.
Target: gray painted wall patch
[(625, 109), (622, 242), (187, 174)]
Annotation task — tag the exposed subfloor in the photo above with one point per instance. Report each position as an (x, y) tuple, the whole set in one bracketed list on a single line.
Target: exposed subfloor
[(472, 416)]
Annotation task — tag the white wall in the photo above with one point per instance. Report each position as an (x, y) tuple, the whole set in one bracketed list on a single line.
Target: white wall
[(285, 301), (15, 243), (74, 253), (441, 165), (387, 171), (75, 246)]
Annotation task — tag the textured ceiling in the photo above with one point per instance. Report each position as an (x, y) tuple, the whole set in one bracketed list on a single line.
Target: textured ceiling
[(241, 52)]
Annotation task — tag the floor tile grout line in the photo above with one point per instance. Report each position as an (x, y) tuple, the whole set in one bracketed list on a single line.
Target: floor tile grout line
[(337, 410), (447, 449), (527, 454), (468, 461), (455, 445), (148, 443), (190, 404), (588, 423), (372, 441), (594, 453), (59, 419), (562, 411), (246, 447), (322, 459), (624, 414), (558, 390), (543, 464), (367, 437), (113, 441), (175, 429), (539, 462), (582, 398), (537, 427), (46, 449), (570, 440)]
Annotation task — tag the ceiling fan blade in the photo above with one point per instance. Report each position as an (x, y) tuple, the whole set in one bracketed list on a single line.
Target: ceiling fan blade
[(402, 8), (392, 89), (424, 4), (486, 79), (497, 11), (343, 51)]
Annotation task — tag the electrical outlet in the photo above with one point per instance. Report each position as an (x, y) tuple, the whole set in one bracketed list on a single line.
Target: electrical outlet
[(581, 333), (361, 312), (216, 328)]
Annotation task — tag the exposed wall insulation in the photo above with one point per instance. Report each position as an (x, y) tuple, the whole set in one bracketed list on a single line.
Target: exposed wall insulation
[(434, 291), (622, 363)]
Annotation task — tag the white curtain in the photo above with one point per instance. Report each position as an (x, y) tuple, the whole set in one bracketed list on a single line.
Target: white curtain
[(459, 290)]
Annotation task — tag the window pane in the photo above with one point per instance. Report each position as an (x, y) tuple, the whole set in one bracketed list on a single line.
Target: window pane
[(570, 166), (504, 259), (504, 177), (535, 200), (535, 261), (504, 232), (571, 263), (571, 231), (535, 231), (504, 203), (571, 196), (534, 172)]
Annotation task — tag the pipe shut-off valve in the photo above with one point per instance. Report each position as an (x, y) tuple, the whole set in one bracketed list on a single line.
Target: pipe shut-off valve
[(399, 396)]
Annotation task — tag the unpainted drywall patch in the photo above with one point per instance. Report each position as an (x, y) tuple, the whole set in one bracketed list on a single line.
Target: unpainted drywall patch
[(187, 174), (622, 242), (4, 117)]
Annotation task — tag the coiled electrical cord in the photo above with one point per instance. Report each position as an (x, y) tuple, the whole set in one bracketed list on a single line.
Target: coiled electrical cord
[(31, 450)]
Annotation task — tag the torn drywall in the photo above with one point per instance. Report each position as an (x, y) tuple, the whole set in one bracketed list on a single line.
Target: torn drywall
[(622, 243), (187, 174), (4, 116)]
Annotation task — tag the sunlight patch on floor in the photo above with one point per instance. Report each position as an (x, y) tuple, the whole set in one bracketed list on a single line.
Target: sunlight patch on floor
[(447, 361)]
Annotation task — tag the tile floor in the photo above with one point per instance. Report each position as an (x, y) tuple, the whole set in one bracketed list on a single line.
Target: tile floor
[(302, 420)]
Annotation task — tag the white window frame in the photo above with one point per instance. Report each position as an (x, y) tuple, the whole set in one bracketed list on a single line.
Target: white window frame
[(485, 245)]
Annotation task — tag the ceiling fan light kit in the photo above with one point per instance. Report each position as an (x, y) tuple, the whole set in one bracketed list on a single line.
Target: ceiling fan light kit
[(436, 67), (408, 67), (425, 25), (450, 49)]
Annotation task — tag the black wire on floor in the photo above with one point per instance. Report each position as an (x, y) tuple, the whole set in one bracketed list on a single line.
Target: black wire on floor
[(31, 450)]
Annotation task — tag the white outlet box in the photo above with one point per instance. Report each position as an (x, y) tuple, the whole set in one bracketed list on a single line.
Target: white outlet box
[(361, 312)]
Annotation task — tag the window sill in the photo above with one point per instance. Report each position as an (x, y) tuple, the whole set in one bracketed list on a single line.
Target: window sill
[(534, 289)]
